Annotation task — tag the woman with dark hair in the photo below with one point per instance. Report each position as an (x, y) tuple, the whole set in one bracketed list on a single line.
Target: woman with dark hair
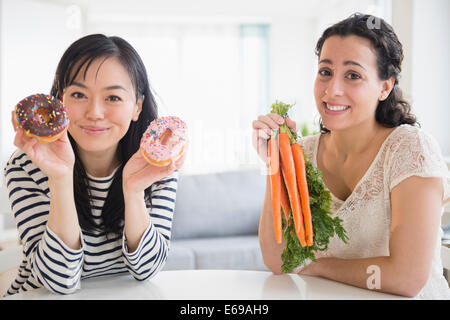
[(89, 204), (386, 176)]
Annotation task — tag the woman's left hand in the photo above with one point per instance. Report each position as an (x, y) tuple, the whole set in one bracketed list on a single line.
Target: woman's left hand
[(310, 269), (138, 174)]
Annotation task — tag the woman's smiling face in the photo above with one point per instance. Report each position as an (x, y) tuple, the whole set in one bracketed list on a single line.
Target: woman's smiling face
[(347, 88), (101, 105)]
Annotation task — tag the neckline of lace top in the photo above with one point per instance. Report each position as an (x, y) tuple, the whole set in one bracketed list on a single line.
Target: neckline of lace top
[(337, 204)]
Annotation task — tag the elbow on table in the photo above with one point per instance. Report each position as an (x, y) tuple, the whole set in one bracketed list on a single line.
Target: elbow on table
[(274, 267), (271, 260), (143, 275), (63, 289), (71, 290), (275, 270), (412, 290), (56, 284), (412, 284)]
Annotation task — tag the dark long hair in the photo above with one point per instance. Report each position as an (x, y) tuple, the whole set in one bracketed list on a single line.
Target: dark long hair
[(394, 110), (82, 53)]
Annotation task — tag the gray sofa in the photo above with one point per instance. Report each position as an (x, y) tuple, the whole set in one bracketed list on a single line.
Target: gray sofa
[(215, 224)]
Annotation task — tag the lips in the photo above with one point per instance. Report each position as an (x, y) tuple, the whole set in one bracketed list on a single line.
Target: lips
[(334, 108), (94, 130)]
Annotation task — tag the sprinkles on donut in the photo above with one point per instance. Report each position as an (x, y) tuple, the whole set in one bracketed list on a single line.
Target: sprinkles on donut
[(164, 140), (42, 117)]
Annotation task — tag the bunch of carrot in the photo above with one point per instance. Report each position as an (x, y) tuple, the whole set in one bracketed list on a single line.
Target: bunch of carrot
[(289, 186)]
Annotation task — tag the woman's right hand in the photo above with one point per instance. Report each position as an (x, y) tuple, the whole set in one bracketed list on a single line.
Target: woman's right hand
[(55, 159), (263, 128)]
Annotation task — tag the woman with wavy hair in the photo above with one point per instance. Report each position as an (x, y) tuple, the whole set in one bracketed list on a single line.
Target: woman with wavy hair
[(386, 176)]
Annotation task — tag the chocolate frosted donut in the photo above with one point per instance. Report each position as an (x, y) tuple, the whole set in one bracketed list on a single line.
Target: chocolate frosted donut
[(42, 117)]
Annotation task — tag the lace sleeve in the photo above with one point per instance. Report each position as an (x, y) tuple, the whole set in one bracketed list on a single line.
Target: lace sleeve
[(416, 153)]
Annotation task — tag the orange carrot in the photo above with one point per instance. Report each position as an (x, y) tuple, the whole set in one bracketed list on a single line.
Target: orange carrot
[(275, 187), (300, 170), (284, 200), (288, 167)]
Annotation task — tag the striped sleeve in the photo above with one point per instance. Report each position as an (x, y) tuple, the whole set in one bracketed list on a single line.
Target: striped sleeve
[(151, 253), (52, 264)]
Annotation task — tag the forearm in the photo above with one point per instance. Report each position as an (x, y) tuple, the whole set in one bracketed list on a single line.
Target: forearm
[(271, 250), (151, 231), (63, 218), (137, 219), (55, 265), (381, 274)]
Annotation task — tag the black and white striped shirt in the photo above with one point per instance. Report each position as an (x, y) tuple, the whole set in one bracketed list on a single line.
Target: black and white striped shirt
[(48, 262)]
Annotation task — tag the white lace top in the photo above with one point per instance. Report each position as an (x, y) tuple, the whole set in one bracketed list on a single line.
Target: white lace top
[(366, 213)]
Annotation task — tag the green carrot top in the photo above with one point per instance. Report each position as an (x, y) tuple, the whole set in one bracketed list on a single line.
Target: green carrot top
[(282, 108)]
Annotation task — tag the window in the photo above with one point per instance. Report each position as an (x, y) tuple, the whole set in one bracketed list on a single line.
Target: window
[(214, 77)]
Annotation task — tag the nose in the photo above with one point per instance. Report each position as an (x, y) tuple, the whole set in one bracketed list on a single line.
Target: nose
[(335, 87), (95, 110)]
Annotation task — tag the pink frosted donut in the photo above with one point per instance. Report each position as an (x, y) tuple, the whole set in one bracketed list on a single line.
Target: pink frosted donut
[(164, 141)]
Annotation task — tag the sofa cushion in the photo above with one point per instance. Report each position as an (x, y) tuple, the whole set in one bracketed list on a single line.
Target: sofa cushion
[(179, 257), (237, 253), (218, 205)]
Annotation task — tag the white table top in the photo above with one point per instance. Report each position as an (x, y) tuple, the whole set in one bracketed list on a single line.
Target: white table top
[(210, 285)]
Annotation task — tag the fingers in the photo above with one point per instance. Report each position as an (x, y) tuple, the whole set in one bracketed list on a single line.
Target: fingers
[(270, 121), (305, 264), (20, 139), (64, 137), (265, 124), (13, 120), (260, 144), (25, 143), (171, 167), (177, 164), (159, 173), (291, 124), (29, 149), (180, 161), (263, 128)]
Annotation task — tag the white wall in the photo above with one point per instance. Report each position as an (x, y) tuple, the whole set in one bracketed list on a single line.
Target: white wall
[(292, 65), (430, 68), (34, 35), (423, 28)]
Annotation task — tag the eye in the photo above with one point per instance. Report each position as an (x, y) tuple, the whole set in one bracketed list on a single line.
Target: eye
[(353, 76), (324, 72), (78, 95), (113, 98)]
